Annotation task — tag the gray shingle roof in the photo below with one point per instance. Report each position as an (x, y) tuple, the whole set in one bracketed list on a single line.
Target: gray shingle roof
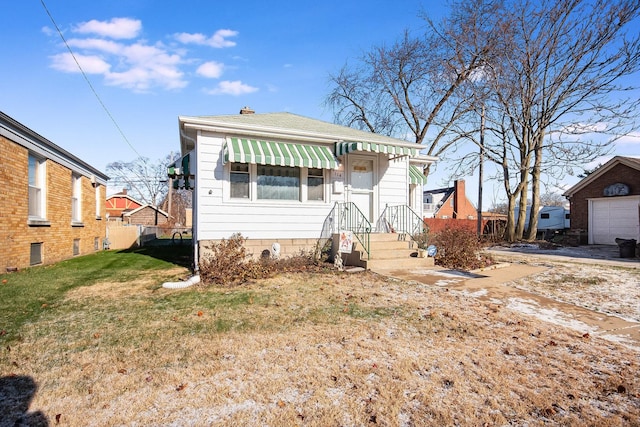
[(300, 123)]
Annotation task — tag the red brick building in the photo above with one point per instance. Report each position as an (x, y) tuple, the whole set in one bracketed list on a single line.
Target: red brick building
[(450, 202), (51, 202), (606, 204)]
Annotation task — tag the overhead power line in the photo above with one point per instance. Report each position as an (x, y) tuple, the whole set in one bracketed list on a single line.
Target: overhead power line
[(86, 78)]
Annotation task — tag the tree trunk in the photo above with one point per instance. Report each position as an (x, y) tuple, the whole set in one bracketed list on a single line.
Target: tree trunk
[(535, 191)]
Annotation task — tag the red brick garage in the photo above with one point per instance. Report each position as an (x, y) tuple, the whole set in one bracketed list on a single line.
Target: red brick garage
[(606, 204)]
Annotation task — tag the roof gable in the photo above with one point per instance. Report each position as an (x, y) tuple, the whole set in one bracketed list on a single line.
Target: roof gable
[(617, 160), (124, 196), (153, 208)]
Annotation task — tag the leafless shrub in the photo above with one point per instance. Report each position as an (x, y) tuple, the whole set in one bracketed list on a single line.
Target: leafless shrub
[(459, 248)]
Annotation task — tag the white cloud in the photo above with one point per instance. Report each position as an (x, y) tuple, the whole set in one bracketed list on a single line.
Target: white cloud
[(116, 28), (629, 139), (582, 128), (232, 88), (146, 66), (107, 46), (113, 49), (90, 64), (211, 69), (217, 40)]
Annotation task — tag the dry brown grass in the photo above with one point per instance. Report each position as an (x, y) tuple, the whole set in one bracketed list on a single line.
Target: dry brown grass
[(315, 350)]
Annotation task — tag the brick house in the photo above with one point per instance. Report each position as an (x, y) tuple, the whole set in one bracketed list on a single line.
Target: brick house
[(51, 202), (606, 204), (120, 203), (449, 202)]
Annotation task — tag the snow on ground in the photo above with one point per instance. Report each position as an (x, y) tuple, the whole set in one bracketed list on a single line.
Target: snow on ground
[(610, 290)]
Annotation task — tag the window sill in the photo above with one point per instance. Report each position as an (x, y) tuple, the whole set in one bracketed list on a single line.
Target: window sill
[(98, 218), (38, 222), (77, 224)]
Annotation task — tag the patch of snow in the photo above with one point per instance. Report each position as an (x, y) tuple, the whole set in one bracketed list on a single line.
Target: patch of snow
[(551, 315)]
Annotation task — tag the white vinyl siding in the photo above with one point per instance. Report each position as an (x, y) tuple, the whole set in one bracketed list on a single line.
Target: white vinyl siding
[(393, 184), (219, 215)]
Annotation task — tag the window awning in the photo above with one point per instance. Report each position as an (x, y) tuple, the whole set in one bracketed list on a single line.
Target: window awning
[(346, 147), (240, 150), (416, 176)]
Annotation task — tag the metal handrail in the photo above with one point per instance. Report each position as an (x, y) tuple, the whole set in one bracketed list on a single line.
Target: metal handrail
[(347, 216), (401, 219)]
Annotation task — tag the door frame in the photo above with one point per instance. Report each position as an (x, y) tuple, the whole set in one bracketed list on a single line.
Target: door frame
[(374, 191)]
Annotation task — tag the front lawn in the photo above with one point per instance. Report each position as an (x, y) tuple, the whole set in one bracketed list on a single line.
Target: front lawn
[(104, 344)]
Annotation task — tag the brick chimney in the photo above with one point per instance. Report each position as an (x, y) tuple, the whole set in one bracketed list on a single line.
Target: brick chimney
[(459, 199), (124, 192), (247, 110)]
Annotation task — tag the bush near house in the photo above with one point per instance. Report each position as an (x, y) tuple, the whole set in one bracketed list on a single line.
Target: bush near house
[(229, 264), (459, 247)]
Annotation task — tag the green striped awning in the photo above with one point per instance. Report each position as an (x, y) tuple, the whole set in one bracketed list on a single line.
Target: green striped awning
[(346, 147), (416, 176), (240, 150)]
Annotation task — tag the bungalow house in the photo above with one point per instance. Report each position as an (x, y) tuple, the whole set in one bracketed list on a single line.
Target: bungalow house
[(606, 204), (285, 181), (51, 202)]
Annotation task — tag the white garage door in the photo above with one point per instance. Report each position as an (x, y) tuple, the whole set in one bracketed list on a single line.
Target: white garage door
[(614, 218)]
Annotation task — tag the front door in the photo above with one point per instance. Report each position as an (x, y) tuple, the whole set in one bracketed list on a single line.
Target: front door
[(362, 185)]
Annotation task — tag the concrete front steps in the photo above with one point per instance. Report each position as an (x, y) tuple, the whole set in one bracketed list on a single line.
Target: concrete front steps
[(388, 251)]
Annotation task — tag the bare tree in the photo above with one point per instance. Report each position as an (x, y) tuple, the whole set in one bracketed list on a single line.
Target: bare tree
[(565, 75), (552, 199), (416, 86), (145, 179)]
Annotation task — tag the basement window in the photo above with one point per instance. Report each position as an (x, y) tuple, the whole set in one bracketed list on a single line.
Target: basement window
[(35, 255)]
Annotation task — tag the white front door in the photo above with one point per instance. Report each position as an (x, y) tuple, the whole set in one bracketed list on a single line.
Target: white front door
[(361, 179)]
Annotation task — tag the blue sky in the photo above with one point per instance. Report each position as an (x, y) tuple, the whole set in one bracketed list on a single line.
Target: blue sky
[(151, 61)]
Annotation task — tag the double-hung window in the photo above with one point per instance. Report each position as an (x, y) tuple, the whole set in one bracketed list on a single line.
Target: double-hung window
[(76, 199), (239, 179), (36, 188), (98, 203), (315, 184)]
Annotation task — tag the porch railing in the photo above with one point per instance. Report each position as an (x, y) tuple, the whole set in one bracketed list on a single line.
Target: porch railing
[(347, 216), (401, 219)]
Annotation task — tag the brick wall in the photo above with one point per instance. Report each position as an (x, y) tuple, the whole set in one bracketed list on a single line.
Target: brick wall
[(57, 238), (580, 204), (457, 205)]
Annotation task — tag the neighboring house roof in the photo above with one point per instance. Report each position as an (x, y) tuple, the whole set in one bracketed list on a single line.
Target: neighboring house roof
[(19, 133), (124, 196), (155, 208), (446, 192), (631, 162), (282, 126)]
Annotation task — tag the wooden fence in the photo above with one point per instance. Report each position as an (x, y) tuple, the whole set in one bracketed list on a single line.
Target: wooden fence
[(122, 236)]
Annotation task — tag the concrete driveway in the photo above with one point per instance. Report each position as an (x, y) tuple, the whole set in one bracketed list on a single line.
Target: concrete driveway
[(517, 263)]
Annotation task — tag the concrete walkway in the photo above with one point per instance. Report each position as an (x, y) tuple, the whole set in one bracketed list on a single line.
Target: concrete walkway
[(489, 285)]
